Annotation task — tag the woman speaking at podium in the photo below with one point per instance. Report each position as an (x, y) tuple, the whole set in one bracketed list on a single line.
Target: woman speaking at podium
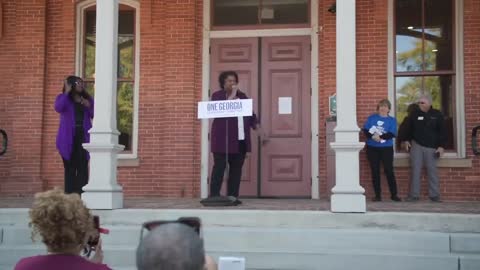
[(230, 139)]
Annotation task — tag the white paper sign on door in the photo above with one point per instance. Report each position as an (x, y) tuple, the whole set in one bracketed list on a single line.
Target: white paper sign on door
[(285, 105)]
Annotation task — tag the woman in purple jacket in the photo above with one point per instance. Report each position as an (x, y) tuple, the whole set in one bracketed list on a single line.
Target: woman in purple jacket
[(230, 139), (75, 107)]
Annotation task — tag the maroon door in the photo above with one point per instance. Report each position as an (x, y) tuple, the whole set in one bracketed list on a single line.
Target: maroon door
[(240, 55), (284, 110), (285, 117)]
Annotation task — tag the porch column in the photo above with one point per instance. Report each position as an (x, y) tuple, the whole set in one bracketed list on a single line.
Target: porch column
[(347, 193), (102, 191)]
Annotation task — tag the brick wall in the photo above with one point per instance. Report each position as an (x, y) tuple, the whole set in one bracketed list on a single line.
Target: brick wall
[(170, 86), (23, 81)]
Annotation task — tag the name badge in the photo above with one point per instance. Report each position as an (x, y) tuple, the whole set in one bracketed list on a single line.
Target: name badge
[(420, 118)]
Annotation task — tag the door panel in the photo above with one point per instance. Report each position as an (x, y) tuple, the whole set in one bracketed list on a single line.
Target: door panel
[(240, 55), (285, 80), (285, 153)]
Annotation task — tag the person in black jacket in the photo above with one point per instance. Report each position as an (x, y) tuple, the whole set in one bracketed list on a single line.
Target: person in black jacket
[(425, 141)]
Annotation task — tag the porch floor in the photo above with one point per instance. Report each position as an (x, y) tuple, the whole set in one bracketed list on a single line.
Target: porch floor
[(276, 204)]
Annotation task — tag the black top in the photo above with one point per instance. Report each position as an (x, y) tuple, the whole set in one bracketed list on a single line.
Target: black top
[(79, 109), (426, 128)]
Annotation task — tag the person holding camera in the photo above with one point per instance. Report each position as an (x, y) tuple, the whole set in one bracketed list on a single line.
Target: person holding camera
[(65, 226), (75, 107)]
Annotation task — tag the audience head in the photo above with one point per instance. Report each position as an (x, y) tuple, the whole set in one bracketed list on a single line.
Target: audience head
[(63, 221), (171, 246)]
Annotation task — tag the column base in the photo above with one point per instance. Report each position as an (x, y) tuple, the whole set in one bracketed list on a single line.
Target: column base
[(103, 200), (348, 203)]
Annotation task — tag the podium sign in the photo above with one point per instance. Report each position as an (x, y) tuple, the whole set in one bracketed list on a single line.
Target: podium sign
[(225, 108)]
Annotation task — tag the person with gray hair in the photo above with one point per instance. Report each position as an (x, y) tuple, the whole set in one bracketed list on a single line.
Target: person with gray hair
[(172, 246), (426, 140)]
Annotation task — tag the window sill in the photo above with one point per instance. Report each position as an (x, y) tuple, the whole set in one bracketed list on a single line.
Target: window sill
[(447, 162), (128, 162)]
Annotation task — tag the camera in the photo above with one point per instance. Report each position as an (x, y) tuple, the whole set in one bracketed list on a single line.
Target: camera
[(93, 241)]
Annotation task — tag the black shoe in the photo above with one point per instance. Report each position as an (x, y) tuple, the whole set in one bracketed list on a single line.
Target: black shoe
[(376, 199), (435, 199), (235, 200), (411, 199), (396, 198)]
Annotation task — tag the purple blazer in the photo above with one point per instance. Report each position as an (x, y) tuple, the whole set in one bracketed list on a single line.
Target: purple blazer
[(65, 106), (219, 128)]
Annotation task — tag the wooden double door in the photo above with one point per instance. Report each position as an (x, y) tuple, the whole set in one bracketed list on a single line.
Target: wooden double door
[(275, 73)]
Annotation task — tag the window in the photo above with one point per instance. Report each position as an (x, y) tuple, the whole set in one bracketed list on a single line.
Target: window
[(126, 69), (260, 12), (425, 58)]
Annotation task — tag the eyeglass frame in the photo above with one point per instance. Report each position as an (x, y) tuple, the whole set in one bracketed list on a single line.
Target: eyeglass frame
[(192, 222)]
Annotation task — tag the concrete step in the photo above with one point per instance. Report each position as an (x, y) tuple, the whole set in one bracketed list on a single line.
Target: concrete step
[(124, 257), (433, 222), (290, 240), (286, 239)]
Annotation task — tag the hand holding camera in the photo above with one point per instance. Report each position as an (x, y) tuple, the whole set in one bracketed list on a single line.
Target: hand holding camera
[(95, 243), (68, 86)]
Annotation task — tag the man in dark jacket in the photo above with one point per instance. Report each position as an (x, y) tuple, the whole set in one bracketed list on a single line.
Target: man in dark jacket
[(425, 140)]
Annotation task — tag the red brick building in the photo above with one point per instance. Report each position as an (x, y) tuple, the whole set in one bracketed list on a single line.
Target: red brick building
[(169, 56)]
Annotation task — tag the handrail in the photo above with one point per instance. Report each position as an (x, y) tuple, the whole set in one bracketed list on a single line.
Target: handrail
[(5, 142)]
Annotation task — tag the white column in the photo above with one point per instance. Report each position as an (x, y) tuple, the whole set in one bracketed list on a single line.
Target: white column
[(347, 193), (205, 86), (102, 191)]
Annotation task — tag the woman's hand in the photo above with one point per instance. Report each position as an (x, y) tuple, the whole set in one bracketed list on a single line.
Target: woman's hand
[(85, 102), (376, 137), (233, 95), (98, 257), (67, 86)]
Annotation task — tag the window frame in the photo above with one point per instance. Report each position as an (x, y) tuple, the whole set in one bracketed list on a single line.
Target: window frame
[(80, 26), (458, 76), (259, 25)]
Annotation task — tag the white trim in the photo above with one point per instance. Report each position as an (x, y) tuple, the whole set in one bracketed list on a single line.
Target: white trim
[(261, 33), (459, 78), (390, 63), (314, 99), (205, 86), (459, 83), (207, 35), (136, 88)]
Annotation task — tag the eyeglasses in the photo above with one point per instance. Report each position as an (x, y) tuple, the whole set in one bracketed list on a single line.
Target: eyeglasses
[(192, 222)]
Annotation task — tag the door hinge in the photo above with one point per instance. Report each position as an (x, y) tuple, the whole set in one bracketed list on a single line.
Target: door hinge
[(209, 49), (310, 46), (310, 91)]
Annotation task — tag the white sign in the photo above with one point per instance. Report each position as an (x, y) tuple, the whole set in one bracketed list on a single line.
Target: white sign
[(231, 263), (285, 105), (225, 108)]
